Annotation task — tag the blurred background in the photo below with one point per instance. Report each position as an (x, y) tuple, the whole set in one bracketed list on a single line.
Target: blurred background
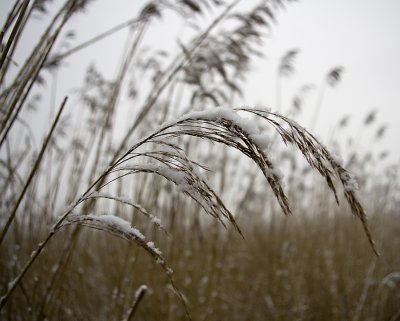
[(358, 36), (128, 67)]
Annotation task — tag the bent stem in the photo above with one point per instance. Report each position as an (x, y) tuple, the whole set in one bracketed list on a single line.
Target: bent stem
[(13, 284), (224, 126)]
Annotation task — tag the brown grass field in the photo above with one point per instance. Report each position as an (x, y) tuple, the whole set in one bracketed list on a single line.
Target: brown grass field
[(189, 213)]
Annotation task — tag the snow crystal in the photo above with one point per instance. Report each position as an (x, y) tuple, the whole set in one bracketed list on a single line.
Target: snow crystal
[(174, 175), (115, 198), (121, 224), (113, 221), (153, 248), (200, 174), (179, 178), (337, 159), (261, 140), (201, 199), (270, 172), (219, 113), (184, 188), (156, 220), (349, 182), (140, 290), (127, 201)]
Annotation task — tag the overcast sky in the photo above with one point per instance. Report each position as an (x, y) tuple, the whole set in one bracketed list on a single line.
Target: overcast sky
[(360, 35), (363, 37)]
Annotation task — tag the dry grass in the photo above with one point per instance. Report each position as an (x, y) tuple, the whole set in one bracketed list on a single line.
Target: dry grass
[(304, 268), (254, 263)]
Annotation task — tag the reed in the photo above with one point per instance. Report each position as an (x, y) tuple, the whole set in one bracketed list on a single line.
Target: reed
[(174, 185)]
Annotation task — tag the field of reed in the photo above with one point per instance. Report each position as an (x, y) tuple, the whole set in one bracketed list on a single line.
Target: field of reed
[(139, 202)]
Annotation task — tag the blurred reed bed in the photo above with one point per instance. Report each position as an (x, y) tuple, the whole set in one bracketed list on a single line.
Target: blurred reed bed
[(182, 217)]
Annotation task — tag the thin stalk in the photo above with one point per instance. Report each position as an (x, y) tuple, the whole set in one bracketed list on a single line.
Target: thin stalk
[(138, 297), (10, 18), (152, 99), (25, 70), (13, 32), (278, 92), (32, 172), (114, 97), (91, 41), (39, 249), (318, 107), (14, 46), (43, 38), (16, 109), (367, 284), (12, 285), (61, 264), (51, 187), (78, 170), (33, 76), (29, 67)]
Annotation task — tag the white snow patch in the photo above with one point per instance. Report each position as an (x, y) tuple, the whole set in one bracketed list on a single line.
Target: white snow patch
[(153, 248), (127, 201), (220, 113), (337, 159), (107, 221), (270, 172), (140, 290), (349, 182), (261, 140), (156, 220)]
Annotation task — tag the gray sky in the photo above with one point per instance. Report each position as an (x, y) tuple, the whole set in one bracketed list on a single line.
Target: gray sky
[(360, 35)]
